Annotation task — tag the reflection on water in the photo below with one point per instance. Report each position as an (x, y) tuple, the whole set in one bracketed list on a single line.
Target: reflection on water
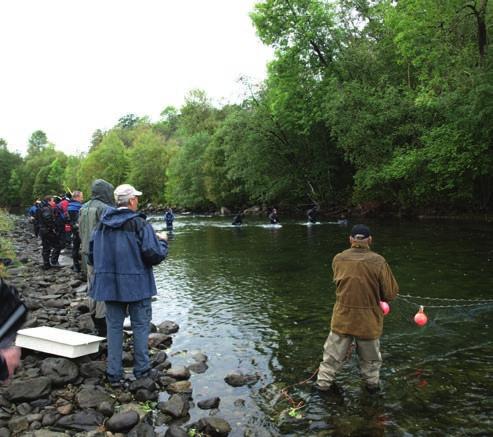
[(259, 300)]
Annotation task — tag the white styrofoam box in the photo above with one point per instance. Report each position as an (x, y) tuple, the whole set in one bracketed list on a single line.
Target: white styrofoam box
[(58, 341)]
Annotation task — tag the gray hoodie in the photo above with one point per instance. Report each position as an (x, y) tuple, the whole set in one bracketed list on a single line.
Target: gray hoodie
[(92, 211)]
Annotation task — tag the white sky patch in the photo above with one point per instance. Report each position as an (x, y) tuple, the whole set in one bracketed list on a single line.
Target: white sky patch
[(70, 67)]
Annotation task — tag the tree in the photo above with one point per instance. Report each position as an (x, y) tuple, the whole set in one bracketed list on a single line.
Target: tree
[(37, 142), (9, 163)]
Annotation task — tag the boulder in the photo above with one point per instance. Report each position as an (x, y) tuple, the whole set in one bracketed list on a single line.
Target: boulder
[(209, 404), (29, 389), (86, 420), (61, 371), (91, 397), (176, 406), (122, 422), (168, 327)]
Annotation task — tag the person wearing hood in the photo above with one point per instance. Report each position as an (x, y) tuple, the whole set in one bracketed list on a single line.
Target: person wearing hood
[(89, 216), (123, 250), (73, 209)]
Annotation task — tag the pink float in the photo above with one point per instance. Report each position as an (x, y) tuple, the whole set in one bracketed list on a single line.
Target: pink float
[(420, 318), (384, 306)]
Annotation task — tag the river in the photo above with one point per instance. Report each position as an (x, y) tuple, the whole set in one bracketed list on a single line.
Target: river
[(259, 300)]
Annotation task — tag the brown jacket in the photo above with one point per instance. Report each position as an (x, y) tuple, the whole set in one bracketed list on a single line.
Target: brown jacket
[(362, 278)]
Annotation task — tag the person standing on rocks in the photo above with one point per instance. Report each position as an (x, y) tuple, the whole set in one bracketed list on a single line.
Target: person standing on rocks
[(51, 227), (363, 279), (74, 206), (89, 217), (123, 250)]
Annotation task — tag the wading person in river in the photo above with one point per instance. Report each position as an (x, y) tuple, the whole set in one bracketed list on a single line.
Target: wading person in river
[(363, 278), (123, 250)]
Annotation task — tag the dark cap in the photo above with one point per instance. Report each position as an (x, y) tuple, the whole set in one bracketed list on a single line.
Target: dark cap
[(360, 232)]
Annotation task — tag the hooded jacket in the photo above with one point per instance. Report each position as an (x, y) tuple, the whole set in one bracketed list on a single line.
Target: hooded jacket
[(363, 278), (91, 212), (123, 249)]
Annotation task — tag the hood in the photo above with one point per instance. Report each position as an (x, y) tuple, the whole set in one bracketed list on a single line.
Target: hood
[(102, 191), (116, 218)]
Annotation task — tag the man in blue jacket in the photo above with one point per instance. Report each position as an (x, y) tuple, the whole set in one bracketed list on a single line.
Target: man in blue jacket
[(122, 251)]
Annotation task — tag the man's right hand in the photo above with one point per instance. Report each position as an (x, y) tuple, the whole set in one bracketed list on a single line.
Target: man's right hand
[(162, 236)]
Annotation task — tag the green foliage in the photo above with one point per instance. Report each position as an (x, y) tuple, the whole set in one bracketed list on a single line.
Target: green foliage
[(9, 164)]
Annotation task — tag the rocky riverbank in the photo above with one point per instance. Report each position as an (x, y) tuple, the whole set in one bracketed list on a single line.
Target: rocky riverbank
[(56, 396)]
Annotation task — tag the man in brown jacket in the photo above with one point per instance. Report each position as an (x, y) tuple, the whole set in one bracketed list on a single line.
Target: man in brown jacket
[(363, 278)]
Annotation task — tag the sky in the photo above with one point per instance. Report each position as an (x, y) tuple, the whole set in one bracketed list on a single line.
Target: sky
[(70, 67)]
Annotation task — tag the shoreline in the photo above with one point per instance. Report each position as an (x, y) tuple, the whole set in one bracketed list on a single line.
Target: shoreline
[(55, 396)]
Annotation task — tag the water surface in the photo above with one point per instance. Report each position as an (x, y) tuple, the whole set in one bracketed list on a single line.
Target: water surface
[(259, 300)]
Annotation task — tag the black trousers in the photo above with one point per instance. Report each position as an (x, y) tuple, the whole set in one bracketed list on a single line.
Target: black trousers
[(52, 246)]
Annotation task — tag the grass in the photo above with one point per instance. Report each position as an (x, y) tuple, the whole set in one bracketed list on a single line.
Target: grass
[(6, 250)]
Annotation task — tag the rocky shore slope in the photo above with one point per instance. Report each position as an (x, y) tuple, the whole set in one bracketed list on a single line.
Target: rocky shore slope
[(56, 396)]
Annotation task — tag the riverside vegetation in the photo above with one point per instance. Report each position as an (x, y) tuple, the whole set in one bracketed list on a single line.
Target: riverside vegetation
[(383, 104)]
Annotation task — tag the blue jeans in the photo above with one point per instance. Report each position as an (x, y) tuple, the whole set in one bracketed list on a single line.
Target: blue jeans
[(140, 317)]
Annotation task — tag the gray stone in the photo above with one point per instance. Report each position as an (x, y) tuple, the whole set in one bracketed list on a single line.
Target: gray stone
[(4, 432), (178, 373), (180, 387), (92, 397), (61, 371), (48, 433), (238, 379), (24, 409), (143, 383), (176, 406), (92, 369), (143, 395), (176, 431), (209, 404), (142, 430), (168, 327), (159, 341), (122, 422), (213, 426), (199, 356), (50, 418), (106, 408), (29, 389), (18, 424), (86, 420), (199, 367)]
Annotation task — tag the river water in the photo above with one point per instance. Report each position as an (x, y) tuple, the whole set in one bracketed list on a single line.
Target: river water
[(259, 300)]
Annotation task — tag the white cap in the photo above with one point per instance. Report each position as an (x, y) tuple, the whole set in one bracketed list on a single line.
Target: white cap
[(125, 192)]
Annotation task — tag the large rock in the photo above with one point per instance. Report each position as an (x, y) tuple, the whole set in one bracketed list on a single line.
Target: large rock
[(238, 379), (167, 327), (29, 389), (86, 420), (179, 373), (60, 370), (159, 341), (91, 397), (122, 422), (213, 426), (180, 387), (92, 369), (176, 406), (209, 404), (143, 430)]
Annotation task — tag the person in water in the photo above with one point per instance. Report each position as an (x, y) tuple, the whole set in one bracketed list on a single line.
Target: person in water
[(238, 219), (169, 217), (363, 279), (274, 220), (312, 214)]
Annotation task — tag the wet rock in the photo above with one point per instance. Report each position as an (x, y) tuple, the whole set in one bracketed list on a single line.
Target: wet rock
[(143, 395), (239, 403), (143, 383), (168, 327), (4, 432), (23, 409), (176, 406), (65, 409), (93, 368), (106, 408), (29, 389), (178, 373), (35, 425), (92, 397), (86, 420), (238, 379), (50, 418), (209, 404), (142, 430), (160, 341), (176, 431), (159, 358), (61, 371), (199, 367), (200, 357), (138, 408), (122, 422), (180, 387), (18, 424), (213, 426)]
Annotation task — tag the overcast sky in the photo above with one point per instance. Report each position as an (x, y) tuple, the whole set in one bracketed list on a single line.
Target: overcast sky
[(70, 67)]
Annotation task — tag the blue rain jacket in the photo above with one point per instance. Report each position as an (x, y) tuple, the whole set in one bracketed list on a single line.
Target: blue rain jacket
[(122, 250)]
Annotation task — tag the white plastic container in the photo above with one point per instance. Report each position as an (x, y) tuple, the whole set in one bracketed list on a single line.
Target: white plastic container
[(58, 341)]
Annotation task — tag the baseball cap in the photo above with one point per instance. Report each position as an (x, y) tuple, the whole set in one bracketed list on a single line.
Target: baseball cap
[(360, 232), (125, 192)]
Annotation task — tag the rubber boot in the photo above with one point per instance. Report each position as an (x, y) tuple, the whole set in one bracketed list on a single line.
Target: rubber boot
[(46, 262), (100, 324)]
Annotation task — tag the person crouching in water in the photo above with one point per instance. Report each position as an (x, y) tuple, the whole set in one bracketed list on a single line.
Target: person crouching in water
[(363, 278), (123, 250)]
